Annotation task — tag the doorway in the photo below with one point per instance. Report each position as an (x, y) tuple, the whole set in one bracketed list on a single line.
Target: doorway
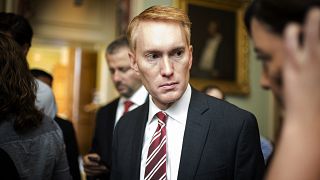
[(74, 85)]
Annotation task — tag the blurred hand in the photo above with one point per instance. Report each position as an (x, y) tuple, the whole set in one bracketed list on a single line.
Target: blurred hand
[(93, 166), (302, 69)]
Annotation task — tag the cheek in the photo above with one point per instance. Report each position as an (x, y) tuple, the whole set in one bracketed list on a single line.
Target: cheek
[(148, 70), (275, 77), (131, 74), (146, 76), (185, 68), (277, 67)]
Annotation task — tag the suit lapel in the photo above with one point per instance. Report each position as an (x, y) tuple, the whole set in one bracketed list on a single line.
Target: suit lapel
[(139, 130), (196, 131), (112, 117)]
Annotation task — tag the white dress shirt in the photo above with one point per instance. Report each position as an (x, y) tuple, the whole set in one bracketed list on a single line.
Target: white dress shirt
[(45, 100), (138, 98), (177, 117)]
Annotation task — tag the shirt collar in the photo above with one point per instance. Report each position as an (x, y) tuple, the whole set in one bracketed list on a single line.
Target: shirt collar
[(177, 111)]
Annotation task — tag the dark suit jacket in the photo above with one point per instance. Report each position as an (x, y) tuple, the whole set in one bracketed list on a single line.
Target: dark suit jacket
[(220, 141), (72, 149), (102, 139)]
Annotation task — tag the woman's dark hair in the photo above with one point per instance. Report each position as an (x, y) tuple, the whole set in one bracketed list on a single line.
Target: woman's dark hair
[(17, 26), (275, 14), (17, 87)]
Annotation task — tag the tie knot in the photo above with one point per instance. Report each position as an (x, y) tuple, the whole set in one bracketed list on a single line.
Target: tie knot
[(127, 105), (162, 116)]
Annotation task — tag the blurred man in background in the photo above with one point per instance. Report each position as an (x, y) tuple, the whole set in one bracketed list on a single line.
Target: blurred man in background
[(97, 163)]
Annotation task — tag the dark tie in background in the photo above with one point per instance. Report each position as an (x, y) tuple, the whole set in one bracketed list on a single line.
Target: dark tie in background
[(127, 105), (156, 161)]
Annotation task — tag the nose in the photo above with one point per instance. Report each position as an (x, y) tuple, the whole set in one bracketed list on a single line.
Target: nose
[(116, 77), (166, 67), (265, 81)]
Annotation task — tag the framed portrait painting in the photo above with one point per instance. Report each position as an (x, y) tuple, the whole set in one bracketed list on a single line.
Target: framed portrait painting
[(220, 44)]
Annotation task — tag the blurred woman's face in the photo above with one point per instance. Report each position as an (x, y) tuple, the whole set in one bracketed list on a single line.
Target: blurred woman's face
[(269, 49)]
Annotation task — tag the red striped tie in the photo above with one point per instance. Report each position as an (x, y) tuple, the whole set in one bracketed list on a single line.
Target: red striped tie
[(156, 161)]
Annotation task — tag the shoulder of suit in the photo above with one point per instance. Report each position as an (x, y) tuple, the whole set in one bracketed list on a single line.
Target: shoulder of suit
[(222, 104), (113, 103), (139, 111)]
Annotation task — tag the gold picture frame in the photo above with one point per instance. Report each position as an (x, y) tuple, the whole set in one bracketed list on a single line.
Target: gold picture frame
[(229, 69)]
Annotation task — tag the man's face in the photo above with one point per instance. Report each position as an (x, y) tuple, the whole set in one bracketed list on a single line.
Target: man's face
[(163, 59), (269, 50), (124, 78)]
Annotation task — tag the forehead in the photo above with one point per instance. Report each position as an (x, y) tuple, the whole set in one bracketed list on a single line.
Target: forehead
[(263, 38), (160, 34), (119, 57)]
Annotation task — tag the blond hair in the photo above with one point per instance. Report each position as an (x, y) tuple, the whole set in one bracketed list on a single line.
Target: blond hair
[(159, 13)]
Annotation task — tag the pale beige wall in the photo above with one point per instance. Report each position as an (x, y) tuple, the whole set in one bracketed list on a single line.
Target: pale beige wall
[(62, 19), (91, 25)]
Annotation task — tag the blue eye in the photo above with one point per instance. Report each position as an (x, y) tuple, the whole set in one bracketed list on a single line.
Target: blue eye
[(152, 56), (178, 53)]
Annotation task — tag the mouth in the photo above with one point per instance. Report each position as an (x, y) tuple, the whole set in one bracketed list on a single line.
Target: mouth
[(168, 86), (120, 87)]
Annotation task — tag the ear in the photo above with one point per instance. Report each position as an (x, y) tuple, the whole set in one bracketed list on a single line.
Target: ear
[(133, 62), (190, 56)]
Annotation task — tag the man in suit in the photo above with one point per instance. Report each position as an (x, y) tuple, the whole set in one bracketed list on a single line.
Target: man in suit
[(69, 135), (97, 163), (179, 133)]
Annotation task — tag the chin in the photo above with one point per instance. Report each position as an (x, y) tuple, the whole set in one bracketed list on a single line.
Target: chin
[(125, 94), (171, 98)]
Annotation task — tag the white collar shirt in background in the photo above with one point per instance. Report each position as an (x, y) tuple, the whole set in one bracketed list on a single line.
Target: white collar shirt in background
[(45, 99), (177, 117), (138, 98)]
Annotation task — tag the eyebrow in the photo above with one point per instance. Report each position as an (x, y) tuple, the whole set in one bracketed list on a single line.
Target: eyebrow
[(151, 51), (178, 48), (159, 51)]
